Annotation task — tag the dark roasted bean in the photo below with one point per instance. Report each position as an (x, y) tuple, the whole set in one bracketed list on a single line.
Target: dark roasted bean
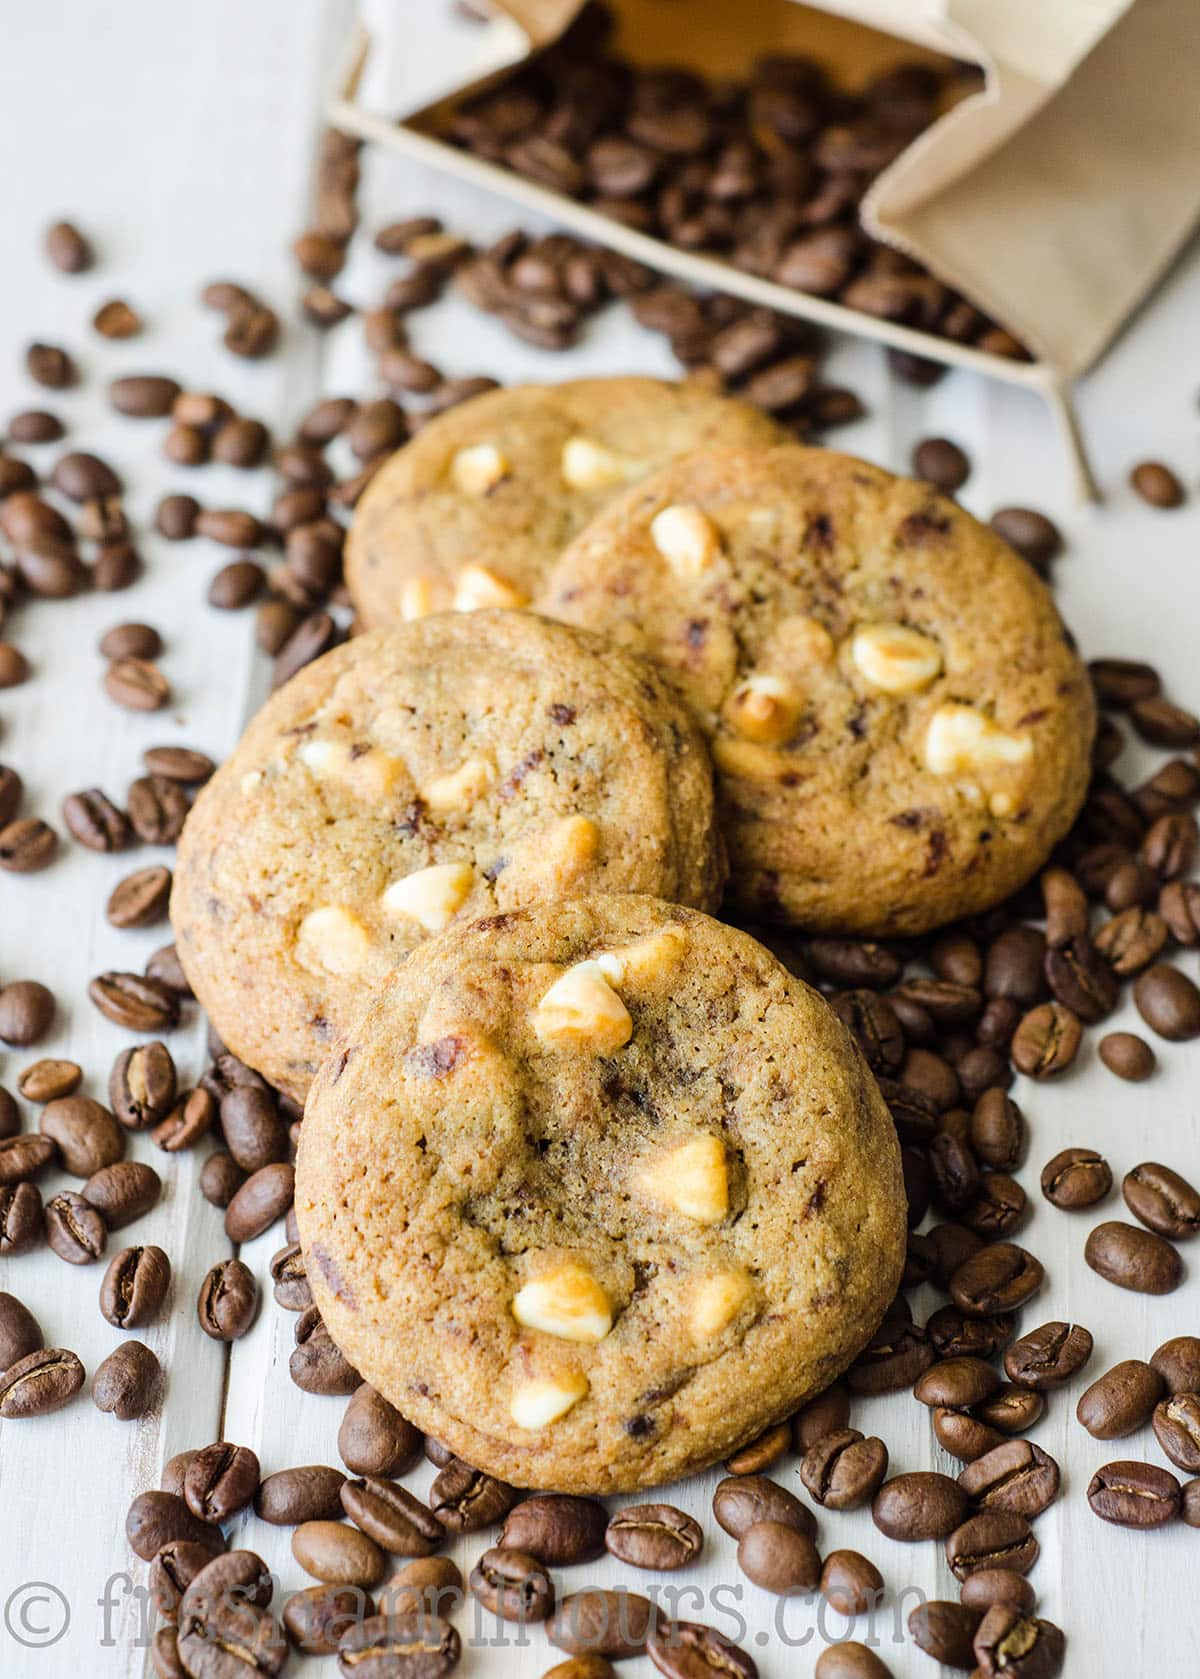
[(998, 1278), (1178, 1363), (93, 819), (26, 1012), (1133, 1258), (421, 1645), (135, 1286), (42, 1381), (1162, 1200), (844, 1470), (74, 1229), (657, 1536), (465, 1499), (1134, 1494), (157, 1518), (1076, 1178), (558, 1529), (1016, 1476), (513, 1585), (993, 1539), (1049, 1356), (308, 1494), (1018, 1646), (228, 1300), (1121, 1400), (221, 1480), (127, 1383), (946, 1631)]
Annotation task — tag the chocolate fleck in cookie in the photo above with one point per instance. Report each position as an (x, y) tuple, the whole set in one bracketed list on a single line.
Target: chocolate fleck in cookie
[(453, 768), (597, 1190), (900, 723), (475, 510)]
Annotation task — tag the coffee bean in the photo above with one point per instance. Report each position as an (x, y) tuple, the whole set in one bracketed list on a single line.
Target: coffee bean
[(1012, 1409), (1082, 980), (1016, 1476), (465, 1499), (1177, 1429), (338, 1554), (93, 819), (1156, 484), (11, 789), (1131, 940), (1127, 1055), (993, 1539), (433, 1584), (893, 1358), (843, 1471), (142, 1085), (225, 1632), (951, 1244), (1049, 1356), (172, 1571), (228, 1301), (1178, 1363), (317, 1364), (42, 1381), (136, 684), (1015, 965), (1178, 904), (319, 1617), (14, 666), (1032, 534), (229, 527), (957, 1383), (308, 1494), (24, 1157), (68, 249), (10, 1114), (83, 477), (140, 899), (778, 1558), (22, 1225), (134, 1002), (761, 1452), (314, 635), (20, 1333), (43, 1081), (1017, 1645), (513, 1585), (1162, 1200), (221, 1480), (1189, 1506), (128, 1381), (27, 845), (51, 366), (143, 396), (178, 763), (130, 641), (1132, 1494), (220, 1179), (873, 1023), (237, 585), (920, 1505), (156, 1519), (1076, 1178), (946, 1631), (654, 1536), (979, 1591), (851, 1583), (413, 1646), (374, 1439), (1046, 1041), (164, 1655), (289, 1275), (135, 1286), (1164, 724), (850, 1660), (941, 463), (176, 517), (74, 1229), (26, 1012), (826, 1413), (998, 1278), (688, 1650), (997, 1131), (1133, 1258), (265, 1196), (742, 1500)]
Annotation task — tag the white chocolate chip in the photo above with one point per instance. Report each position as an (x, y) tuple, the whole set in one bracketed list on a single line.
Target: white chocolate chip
[(582, 1011), (1002, 804), (570, 846), (763, 708), (566, 1302), (692, 1180), (686, 538), (459, 789), (715, 1301), (650, 958), (333, 939), (479, 468), (962, 741), (416, 598), (895, 658), (431, 897), (371, 773), (477, 587), (750, 761), (251, 780), (590, 466), (540, 1400)]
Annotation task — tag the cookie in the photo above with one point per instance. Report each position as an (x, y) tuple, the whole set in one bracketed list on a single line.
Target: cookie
[(901, 727), (477, 507), (596, 1191), (452, 768)]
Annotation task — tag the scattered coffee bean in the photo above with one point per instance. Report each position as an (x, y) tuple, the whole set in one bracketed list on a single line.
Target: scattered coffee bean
[(963, 1436), (920, 1505), (654, 1536), (416, 1644), (993, 1539), (957, 1383), (312, 1493), (1178, 1363), (140, 899), (779, 1559), (134, 1287), (1156, 484), (43, 1081), (1134, 1494), (1127, 1055), (1013, 1644), (1046, 1041), (265, 1196), (134, 1002), (20, 1333), (131, 641), (1048, 1357), (123, 1192), (513, 1585), (142, 1085), (42, 1381), (74, 1229), (156, 1519), (127, 1383), (1032, 534), (465, 1499), (26, 1012), (760, 1453), (137, 685), (93, 819), (228, 1300), (374, 1439), (237, 585), (27, 845), (317, 1364), (1016, 1476), (338, 1554), (25, 1157), (1176, 1423), (946, 1631), (68, 249), (941, 463), (21, 1221), (11, 789), (850, 1583), (823, 1415), (844, 1470), (1133, 1258), (998, 1278), (850, 1660), (1162, 1200), (742, 1500), (51, 366), (979, 1591), (221, 1480), (1076, 1178), (319, 1617), (158, 808)]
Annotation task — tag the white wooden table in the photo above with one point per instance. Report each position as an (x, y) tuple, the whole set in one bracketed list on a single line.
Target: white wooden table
[(182, 138)]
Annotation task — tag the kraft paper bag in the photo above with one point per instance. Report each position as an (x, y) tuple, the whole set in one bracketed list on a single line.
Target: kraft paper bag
[(1056, 196)]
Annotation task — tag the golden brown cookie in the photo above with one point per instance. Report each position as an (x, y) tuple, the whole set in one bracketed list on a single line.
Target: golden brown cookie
[(596, 1191), (451, 768), (901, 726), (477, 507)]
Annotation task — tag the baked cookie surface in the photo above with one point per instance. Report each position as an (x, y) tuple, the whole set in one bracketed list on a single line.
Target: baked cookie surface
[(455, 767), (900, 724), (477, 507), (596, 1191)]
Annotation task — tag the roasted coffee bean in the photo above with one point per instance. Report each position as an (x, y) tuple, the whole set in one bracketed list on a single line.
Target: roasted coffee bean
[(1032, 534), (825, 1414), (433, 1584), (1178, 904), (997, 1131), (50, 365), (68, 249), (1133, 1258), (255, 1133), (688, 1650), (1156, 484), (987, 1586), (778, 1558), (224, 1633), (27, 845), (1082, 980), (93, 819), (313, 636), (963, 1436), (220, 1179), (117, 319), (10, 1114), (228, 1301), (875, 1027), (993, 1539), (143, 396), (742, 1500), (951, 1244), (1168, 1002), (921, 1505), (1178, 1363), (1067, 912), (83, 477), (311, 1493), (135, 1286), (954, 1171), (42, 1381), (1162, 1200), (172, 1571), (1076, 1178), (1170, 845), (374, 1439), (513, 1585), (465, 1499), (933, 1076), (141, 1086), (1164, 724), (392, 1516), (186, 1123), (136, 684), (1189, 1505), (1176, 1423), (135, 1003), (655, 1536), (178, 763), (25, 1157), (941, 463), (893, 1358), (127, 1383), (338, 1554), (998, 1278), (319, 1617), (26, 1012), (1121, 682), (1048, 1356), (850, 1660), (221, 1480), (1120, 1401), (559, 1530), (164, 1655), (237, 585), (20, 1333), (1016, 1476), (420, 1645), (1046, 1041), (946, 1631), (230, 527), (290, 1280), (74, 1229), (22, 1224), (44, 1081), (175, 1469), (158, 808), (1127, 1055), (844, 1470), (1018, 1645), (956, 1383), (317, 1364), (1012, 1409), (176, 517), (761, 1452), (265, 1196), (11, 790), (1131, 940), (156, 1519), (87, 1135), (1133, 1494)]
